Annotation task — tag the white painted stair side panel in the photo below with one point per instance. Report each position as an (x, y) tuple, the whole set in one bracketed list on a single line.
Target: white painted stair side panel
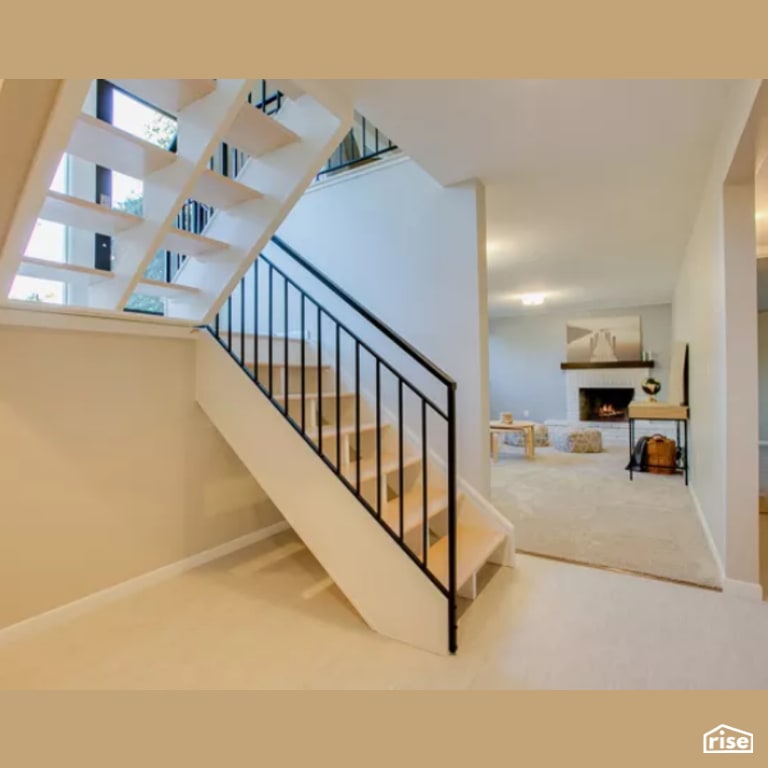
[(389, 591), (66, 110), (282, 176)]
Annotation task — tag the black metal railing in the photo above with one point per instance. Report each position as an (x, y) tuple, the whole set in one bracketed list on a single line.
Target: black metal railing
[(320, 391), (364, 143)]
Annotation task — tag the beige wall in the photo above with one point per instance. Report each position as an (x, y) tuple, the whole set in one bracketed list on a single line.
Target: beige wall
[(762, 361), (108, 468), (706, 296)]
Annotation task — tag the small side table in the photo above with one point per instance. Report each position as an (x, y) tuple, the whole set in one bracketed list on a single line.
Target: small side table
[(526, 427), (654, 411)]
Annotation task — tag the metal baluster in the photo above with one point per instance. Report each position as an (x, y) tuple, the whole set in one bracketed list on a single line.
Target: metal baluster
[(287, 370), (269, 309), (400, 447), (242, 321), (216, 324), (378, 436), (256, 320), (338, 398), (357, 410), (364, 153), (229, 323), (319, 381), (452, 639), (303, 364), (424, 494)]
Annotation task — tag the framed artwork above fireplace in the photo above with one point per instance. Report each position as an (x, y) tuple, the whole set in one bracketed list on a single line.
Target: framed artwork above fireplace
[(603, 339)]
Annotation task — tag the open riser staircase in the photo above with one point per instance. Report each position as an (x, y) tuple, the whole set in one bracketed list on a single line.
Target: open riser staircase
[(243, 153), (352, 434)]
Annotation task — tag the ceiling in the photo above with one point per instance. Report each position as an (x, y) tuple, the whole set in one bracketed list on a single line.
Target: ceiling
[(592, 185)]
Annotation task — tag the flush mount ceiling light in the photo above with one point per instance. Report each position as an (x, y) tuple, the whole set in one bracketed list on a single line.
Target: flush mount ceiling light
[(532, 299), (760, 215)]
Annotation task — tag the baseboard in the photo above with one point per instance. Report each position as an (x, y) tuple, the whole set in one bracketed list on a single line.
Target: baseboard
[(708, 535), (95, 600), (746, 590)]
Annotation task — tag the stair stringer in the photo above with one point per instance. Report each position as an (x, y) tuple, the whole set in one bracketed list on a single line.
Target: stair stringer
[(384, 585)]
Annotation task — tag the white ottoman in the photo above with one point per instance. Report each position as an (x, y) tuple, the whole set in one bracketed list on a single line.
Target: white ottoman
[(540, 437), (579, 441)]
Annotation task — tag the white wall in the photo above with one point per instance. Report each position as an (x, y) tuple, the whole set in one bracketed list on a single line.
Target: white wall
[(109, 467), (762, 341), (526, 352), (699, 318), (412, 252)]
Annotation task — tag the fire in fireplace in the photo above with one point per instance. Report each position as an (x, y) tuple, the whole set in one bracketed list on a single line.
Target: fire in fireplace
[(604, 403)]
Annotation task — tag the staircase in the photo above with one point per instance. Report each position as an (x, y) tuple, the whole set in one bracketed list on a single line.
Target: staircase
[(352, 433), (242, 155), (348, 428)]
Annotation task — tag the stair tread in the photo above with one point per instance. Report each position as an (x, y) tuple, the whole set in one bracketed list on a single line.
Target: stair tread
[(222, 192), (169, 95), (63, 271), (389, 463), (413, 508), (474, 545), (190, 244), (84, 214), (275, 364), (330, 431), (103, 144), (163, 290), (257, 134), (316, 396)]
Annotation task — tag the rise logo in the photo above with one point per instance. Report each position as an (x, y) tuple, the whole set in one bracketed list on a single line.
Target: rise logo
[(725, 739)]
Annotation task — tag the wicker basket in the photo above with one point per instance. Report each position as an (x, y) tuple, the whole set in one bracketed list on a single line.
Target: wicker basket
[(662, 455)]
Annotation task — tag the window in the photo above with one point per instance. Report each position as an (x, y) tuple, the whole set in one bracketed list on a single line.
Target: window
[(49, 243)]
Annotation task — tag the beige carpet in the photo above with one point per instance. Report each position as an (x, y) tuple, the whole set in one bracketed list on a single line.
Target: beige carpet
[(583, 507)]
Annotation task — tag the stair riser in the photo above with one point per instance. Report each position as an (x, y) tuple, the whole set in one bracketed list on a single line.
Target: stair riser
[(292, 377), (414, 537), (278, 349)]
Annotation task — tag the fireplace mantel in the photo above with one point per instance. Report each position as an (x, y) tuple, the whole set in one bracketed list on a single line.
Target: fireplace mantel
[(619, 364)]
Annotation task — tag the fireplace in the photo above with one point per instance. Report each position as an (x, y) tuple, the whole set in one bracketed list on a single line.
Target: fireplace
[(604, 403)]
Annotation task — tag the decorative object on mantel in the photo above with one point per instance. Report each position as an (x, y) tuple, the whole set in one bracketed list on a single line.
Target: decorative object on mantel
[(603, 339), (505, 417), (620, 364), (651, 387)]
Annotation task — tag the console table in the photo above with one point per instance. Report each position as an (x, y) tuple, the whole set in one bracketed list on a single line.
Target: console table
[(654, 411)]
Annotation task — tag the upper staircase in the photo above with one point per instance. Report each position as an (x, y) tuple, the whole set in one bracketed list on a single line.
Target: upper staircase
[(352, 433), (243, 153)]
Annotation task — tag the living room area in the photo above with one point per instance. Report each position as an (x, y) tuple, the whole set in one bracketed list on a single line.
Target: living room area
[(577, 381), (587, 236)]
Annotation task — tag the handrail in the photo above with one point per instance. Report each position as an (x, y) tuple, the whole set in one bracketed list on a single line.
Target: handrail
[(379, 324), (265, 309), (351, 153)]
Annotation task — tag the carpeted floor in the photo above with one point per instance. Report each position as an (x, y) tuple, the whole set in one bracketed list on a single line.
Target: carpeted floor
[(583, 507)]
